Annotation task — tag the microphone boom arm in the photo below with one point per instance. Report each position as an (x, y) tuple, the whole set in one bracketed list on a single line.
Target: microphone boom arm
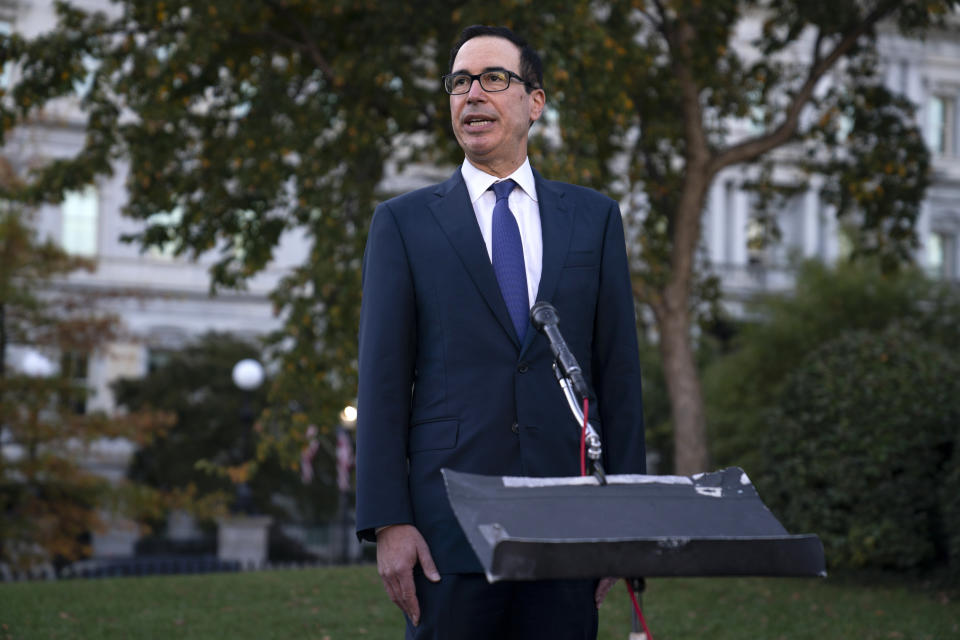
[(594, 448)]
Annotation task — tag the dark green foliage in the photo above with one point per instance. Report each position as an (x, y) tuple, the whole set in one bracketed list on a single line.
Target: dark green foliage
[(877, 169), (656, 407), (742, 386), (754, 396), (212, 445), (212, 414), (950, 509), (860, 444)]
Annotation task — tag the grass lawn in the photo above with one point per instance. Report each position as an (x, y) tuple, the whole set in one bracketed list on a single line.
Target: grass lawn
[(348, 602)]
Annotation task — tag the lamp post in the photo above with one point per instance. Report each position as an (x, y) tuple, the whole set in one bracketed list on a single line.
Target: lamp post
[(37, 366), (348, 422), (243, 537), (248, 376)]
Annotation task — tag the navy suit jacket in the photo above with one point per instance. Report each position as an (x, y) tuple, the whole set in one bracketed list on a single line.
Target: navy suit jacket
[(444, 382)]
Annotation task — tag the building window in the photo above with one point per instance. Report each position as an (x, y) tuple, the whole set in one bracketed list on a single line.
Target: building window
[(756, 241), (942, 255), (729, 223), (941, 120), (80, 218)]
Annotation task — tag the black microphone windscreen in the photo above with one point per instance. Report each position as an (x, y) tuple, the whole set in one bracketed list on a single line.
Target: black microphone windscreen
[(543, 313)]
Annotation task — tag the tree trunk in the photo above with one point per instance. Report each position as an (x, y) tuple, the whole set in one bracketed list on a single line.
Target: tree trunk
[(673, 317), (673, 323), (686, 395), (3, 340)]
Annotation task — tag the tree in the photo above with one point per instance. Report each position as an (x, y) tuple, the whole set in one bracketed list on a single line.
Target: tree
[(250, 119), (659, 86), (210, 447), (49, 502), (244, 121)]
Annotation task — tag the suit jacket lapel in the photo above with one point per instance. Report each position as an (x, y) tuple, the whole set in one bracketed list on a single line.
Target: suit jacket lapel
[(556, 228), (454, 213), (556, 224)]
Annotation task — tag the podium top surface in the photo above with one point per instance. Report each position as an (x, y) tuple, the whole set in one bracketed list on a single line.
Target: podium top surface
[(708, 524)]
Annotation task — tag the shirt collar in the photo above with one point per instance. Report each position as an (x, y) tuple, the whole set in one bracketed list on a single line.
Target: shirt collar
[(478, 181)]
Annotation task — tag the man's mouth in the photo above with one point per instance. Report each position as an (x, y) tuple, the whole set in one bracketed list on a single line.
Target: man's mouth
[(477, 123)]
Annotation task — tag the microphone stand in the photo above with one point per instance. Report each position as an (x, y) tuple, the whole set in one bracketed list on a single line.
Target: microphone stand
[(594, 448), (543, 315)]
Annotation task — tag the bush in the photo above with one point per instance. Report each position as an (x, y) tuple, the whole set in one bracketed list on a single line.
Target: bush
[(742, 387), (860, 446), (950, 506)]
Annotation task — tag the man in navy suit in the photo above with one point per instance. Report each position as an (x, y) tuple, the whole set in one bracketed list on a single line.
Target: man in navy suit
[(453, 375)]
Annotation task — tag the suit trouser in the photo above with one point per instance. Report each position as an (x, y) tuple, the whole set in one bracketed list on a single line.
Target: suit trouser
[(467, 607)]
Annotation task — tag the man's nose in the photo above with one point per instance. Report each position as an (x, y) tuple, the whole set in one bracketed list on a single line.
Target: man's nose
[(476, 92)]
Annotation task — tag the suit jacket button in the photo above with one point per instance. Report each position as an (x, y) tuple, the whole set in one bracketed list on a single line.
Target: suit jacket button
[(515, 428), (523, 367)]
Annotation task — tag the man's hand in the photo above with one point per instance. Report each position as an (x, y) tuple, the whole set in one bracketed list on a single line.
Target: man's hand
[(399, 548), (603, 588)]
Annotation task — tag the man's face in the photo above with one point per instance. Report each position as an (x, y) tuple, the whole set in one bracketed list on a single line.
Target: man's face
[(492, 128)]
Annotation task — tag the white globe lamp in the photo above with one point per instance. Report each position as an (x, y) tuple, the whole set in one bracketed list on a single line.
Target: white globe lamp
[(37, 365), (248, 374)]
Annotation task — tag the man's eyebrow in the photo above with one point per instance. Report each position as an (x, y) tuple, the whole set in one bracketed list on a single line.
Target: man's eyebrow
[(464, 71)]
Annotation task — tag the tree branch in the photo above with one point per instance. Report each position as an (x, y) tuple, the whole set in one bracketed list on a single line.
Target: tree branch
[(815, 58), (658, 25), (752, 148), (315, 54), (664, 24)]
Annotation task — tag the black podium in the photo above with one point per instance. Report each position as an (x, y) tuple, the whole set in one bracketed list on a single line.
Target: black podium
[(711, 524)]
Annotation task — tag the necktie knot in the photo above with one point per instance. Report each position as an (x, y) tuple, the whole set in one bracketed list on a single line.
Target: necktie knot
[(503, 189)]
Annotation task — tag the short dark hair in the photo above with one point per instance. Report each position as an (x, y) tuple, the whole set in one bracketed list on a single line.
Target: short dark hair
[(531, 68)]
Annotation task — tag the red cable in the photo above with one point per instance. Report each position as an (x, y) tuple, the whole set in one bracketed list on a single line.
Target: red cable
[(583, 438), (583, 472), (636, 607)]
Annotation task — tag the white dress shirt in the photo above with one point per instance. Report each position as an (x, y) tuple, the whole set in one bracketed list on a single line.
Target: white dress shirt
[(525, 208)]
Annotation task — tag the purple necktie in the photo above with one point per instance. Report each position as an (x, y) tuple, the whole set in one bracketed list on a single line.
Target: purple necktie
[(508, 259)]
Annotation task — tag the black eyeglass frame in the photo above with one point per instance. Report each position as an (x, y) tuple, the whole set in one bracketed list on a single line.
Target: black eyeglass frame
[(476, 77)]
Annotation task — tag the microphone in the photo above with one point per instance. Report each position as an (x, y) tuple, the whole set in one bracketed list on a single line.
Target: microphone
[(544, 317)]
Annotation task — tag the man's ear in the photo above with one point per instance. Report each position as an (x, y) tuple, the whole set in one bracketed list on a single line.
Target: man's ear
[(538, 99)]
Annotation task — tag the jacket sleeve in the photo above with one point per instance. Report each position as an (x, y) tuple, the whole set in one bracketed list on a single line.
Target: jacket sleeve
[(616, 360), (387, 343)]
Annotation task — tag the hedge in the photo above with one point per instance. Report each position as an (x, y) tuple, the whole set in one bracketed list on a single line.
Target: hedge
[(862, 450)]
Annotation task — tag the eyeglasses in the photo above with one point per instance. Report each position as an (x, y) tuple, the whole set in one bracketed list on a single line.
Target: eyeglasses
[(490, 81)]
